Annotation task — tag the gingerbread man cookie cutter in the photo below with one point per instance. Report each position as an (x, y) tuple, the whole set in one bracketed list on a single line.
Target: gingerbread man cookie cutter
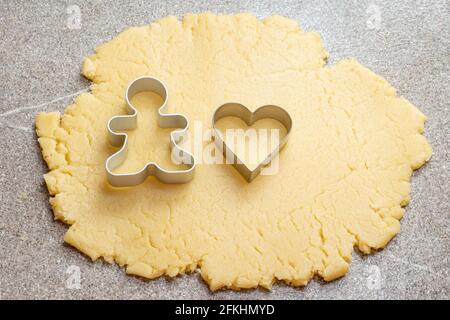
[(129, 122), (240, 111)]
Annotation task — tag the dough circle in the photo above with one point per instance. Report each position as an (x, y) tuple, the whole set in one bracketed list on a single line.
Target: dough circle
[(343, 179)]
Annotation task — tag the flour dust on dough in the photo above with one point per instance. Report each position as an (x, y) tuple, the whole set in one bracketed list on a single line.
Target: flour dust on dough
[(343, 179)]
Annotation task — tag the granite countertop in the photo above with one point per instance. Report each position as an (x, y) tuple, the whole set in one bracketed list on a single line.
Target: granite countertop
[(41, 50)]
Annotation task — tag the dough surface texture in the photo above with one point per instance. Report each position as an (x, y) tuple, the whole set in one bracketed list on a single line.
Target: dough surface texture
[(343, 179)]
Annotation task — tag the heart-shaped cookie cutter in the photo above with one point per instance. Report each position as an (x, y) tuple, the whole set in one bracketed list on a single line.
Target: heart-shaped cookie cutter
[(238, 110), (165, 120)]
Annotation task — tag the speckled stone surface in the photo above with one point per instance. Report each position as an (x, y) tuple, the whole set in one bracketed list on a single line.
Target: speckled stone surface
[(407, 42)]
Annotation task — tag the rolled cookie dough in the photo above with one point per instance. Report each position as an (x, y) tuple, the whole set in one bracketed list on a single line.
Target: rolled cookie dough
[(343, 178)]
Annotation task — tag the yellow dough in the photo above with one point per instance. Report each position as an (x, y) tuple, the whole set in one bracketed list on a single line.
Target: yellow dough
[(343, 179)]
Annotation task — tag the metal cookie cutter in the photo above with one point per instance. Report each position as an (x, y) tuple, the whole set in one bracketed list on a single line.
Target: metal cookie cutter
[(165, 120), (242, 112)]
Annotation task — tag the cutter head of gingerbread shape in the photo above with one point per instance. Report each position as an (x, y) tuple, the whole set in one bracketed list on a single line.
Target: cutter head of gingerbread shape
[(238, 110), (165, 120)]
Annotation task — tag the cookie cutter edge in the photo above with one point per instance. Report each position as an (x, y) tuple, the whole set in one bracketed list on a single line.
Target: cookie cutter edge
[(240, 111), (129, 122)]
